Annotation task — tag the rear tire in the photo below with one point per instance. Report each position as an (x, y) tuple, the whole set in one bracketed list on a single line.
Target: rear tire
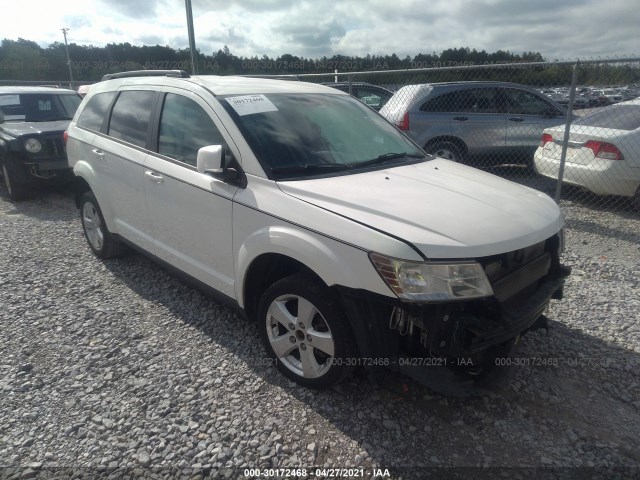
[(15, 180), (635, 200), (100, 239), (447, 150), (305, 332)]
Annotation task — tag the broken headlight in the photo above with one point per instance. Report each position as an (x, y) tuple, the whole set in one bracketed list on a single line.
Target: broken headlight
[(432, 281)]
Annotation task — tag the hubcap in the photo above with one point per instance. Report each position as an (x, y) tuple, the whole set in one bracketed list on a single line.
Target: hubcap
[(445, 153), (308, 349), (92, 226), (7, 182)]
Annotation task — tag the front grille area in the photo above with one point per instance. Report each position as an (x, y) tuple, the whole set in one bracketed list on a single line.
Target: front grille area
[(508, 286), (513, 272), (53, 147)]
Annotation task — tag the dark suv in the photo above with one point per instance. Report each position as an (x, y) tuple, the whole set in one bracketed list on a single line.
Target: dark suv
[(32, 124)]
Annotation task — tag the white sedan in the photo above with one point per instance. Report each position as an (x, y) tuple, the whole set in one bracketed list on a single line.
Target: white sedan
[(603, 152)]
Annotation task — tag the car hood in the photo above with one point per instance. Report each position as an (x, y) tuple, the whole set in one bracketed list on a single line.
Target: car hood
[(34, 128), (443, 209)]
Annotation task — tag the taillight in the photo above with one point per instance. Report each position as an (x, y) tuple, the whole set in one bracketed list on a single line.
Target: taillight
[(546, 138), (65, 137), (604, 150), (404, 123)]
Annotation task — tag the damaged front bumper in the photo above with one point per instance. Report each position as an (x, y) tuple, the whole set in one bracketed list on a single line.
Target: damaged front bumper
[(448, 346)]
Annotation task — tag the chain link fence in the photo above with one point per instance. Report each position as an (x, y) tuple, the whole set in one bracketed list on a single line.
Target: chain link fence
[(570, 129), (533, 123)]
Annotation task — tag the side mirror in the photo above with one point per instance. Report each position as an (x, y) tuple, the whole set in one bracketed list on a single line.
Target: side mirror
[(209, 160), (212, 161)]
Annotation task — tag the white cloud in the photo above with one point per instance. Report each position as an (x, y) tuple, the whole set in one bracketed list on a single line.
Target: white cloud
[(566, 30)]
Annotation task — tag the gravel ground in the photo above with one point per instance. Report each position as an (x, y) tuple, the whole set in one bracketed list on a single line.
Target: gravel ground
[(116, 368)]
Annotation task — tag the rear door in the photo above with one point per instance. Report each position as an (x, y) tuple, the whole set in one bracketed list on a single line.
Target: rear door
[(118, 160), (191, 213), (471, 115)]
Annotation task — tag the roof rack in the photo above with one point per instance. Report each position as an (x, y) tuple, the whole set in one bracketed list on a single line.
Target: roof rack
[(147, 73), (274, 77)]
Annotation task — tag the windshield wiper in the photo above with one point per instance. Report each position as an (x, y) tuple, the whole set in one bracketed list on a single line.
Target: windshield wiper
[(321, 167), (385, 157)]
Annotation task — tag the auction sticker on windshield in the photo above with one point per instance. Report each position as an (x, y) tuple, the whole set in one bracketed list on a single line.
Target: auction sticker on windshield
[(250, 104), (9, 99)]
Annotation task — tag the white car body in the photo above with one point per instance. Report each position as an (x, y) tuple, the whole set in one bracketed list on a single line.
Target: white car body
[(218, 232), (607, 174)]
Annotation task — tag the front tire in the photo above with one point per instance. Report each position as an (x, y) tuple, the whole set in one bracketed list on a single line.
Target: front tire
[(102, 242), (305, 332), (447, 150), (15, 180)]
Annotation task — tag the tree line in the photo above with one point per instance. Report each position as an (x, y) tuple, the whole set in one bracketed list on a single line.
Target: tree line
[(25, 60)]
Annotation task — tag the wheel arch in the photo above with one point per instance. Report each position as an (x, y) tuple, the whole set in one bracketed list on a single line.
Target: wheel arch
[(80, 185), (447, 138), (265, 270), (275, 252), (85, 180)]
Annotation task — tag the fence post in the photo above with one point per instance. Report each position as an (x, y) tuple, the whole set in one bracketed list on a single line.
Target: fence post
[(567, 126)]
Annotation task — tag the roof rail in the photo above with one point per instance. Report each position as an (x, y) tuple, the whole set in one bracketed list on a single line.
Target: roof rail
[(147, 73)]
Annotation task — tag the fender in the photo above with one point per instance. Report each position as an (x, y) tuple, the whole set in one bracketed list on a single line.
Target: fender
[(329, 258)]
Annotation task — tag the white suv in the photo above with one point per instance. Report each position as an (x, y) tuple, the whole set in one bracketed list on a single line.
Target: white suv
[(297, 203)]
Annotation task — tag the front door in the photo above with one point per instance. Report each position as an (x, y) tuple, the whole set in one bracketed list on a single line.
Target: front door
[(191, 213)]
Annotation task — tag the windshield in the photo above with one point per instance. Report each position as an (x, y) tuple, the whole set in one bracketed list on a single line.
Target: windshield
[(38, 107), (302, 135), (619, 117)]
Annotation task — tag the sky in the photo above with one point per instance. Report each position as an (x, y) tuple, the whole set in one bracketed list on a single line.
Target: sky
[(558, 29)]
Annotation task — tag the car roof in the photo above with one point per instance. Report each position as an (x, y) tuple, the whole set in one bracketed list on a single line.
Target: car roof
[(25, 89), (220, 85), (357, 84)]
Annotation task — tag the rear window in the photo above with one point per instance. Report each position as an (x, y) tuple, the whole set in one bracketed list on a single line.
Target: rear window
[(95, 111), (619, 117), (130, 116)]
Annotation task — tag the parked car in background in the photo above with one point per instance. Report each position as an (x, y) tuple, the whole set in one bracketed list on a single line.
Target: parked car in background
[(497, 121), (612, 96), (32, 124), (603, 153), (596, 98), (580, 101), (314, 216), (372, 95)]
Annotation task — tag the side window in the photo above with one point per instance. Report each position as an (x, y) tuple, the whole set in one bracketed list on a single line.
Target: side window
[(524, 102), (95, 111), (130, 116), (185, 128), (449, 102), (479, 100), (482, 100)]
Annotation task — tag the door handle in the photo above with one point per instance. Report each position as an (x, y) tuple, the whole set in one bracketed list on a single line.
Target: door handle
[(154, 177), (98, 153), (461, 119), (516, 119)]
